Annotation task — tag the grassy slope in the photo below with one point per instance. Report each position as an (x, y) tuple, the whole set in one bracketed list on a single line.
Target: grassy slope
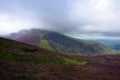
[(16, 51), (20, 61), (44, 43), (66, 44), (105, 48)]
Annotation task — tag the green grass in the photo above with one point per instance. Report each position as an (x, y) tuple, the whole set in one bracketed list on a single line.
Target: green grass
[(28, 58), (45, 44), (117, 51), (38, 60), (106, 49), (17, 52), (17, 57), (72, 61)]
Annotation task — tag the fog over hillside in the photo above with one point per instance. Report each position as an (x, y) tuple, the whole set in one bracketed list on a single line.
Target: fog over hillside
[(76, 18)]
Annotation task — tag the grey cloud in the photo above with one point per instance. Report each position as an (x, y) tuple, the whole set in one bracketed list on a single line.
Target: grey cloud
[(68, 16), (111, 34)]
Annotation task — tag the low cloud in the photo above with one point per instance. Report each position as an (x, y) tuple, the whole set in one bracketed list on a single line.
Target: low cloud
[(80, 18)]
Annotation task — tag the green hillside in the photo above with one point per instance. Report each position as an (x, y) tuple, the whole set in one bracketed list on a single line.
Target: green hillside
[(21, 61), (17, 51), (60, 43)]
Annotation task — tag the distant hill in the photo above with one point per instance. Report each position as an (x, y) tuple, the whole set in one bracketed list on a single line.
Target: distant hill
[(113, 43), (60, 43)]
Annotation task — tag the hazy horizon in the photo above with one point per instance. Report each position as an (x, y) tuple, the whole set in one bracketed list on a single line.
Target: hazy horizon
[(76, 18)]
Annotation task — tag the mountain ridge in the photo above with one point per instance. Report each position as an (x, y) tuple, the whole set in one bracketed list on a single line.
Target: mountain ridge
[(60, 43)]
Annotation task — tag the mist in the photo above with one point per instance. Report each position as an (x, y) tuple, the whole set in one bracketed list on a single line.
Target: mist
[(76, 18)]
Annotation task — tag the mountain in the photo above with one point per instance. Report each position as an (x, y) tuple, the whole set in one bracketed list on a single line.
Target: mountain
[(18, 51), (21, 61), (60, 43)]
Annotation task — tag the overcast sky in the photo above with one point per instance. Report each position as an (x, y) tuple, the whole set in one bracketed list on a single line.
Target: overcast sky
[(77, 18)]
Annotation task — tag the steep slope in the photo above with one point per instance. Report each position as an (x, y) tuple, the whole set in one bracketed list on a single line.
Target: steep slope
[(58, 42)]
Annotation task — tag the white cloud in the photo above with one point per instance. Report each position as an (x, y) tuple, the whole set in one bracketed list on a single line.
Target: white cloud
[(99, 15), (10, 23)]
